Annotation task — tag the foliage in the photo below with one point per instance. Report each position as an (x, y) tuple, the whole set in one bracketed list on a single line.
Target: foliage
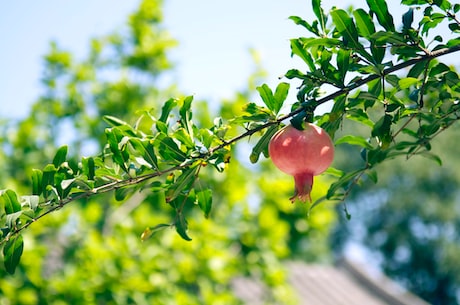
[(165, 164)]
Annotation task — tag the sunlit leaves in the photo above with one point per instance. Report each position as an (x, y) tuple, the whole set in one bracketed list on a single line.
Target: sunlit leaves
[(12, 251), (275, 101), (364, 23), (380, 8), (347, 28), (9, 201), (166, 150)]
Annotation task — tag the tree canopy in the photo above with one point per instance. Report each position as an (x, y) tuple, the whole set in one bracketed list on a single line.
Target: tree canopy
[(110, 158)]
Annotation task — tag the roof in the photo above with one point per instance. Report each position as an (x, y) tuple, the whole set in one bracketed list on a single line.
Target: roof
[(344, 283)]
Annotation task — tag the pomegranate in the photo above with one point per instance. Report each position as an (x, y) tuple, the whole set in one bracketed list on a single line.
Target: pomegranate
[(302, 154)]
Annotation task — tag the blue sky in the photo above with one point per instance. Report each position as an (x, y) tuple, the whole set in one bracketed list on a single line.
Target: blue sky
[(212, 59), (214, 36)]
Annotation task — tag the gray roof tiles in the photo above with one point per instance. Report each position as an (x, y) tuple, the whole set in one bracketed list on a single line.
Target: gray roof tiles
[(342, 284)]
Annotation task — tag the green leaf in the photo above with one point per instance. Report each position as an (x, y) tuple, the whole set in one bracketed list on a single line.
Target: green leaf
[(184, 137), (60, 156), (294, 73), (364, 23), (408, 18), (318, 10), (299, 21), (204, 200), (298, 120), (297, 49), (10, 202), (114, 122), (256, 114), (146, 150), (183, 183), (166, 110), (267, 96), (359, 115), (432, 156), (186, 115), (376, 156), (389, 37), (169, 149), (343, 63), (382, 126), (150, 231), (37, 186), (91, 168), (373, 176), (380, 8), (124, 192), (407, 82), (308, 43), (114, 137), (417, 69), (281, 93), (334, 172), (354, 140), (48, 178), (338, 109), (182, 226), (12, 252), (344, 182), (262, 144), (347, 29)]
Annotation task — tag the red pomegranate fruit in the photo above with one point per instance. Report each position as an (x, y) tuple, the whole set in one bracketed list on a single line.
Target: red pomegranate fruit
[(302, 154)]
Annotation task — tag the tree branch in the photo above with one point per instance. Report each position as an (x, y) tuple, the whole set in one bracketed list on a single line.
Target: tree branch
[(136, 180)]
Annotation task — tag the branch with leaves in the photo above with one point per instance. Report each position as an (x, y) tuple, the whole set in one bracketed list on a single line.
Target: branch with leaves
[(359, 53)]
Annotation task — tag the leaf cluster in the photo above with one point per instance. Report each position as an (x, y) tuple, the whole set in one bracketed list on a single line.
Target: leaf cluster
[(386, 77)]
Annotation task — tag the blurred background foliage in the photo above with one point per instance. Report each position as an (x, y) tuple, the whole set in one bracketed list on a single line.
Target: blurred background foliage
[(409, 221), (91, 252)]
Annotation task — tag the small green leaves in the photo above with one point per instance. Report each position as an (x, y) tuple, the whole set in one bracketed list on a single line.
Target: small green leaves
[(12, 252), (274, 102), (347, 28)]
